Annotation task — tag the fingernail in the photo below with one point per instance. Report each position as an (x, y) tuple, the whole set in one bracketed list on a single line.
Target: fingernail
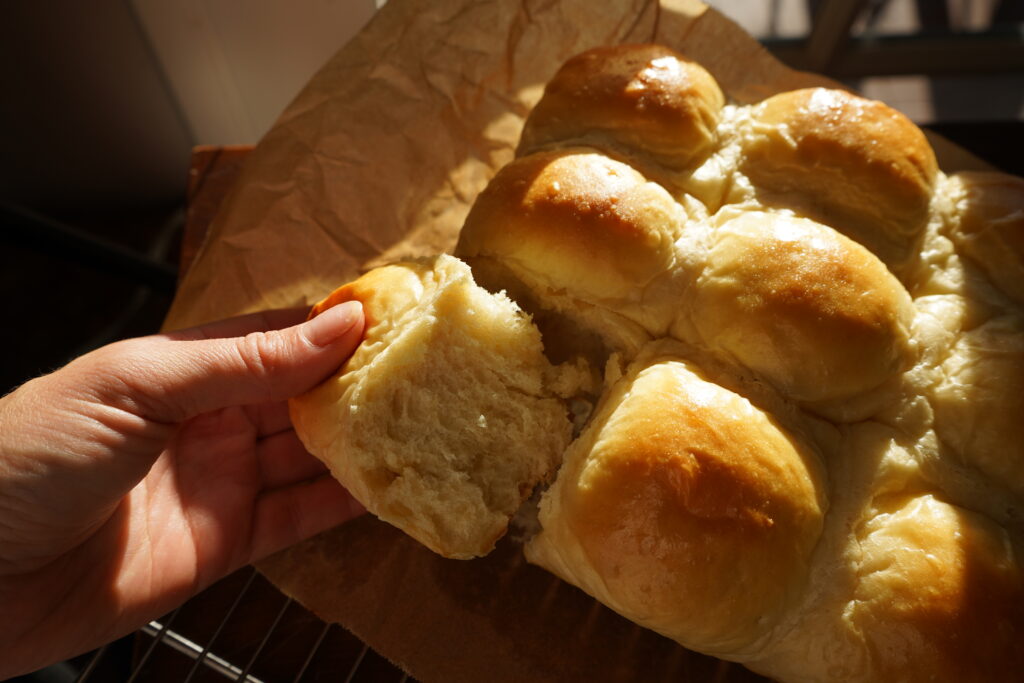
[(330, 325)]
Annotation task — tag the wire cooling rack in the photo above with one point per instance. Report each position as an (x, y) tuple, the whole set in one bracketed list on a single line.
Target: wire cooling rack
[(240, 629)]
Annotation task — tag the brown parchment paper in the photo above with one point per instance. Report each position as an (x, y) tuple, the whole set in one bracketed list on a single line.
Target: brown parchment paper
[(378, 158)]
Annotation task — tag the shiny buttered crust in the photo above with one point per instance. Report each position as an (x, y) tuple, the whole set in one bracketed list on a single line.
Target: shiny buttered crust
[(809, 453), (855, 164), (684, 507), (589, 235), (810, 310), (645, 103)]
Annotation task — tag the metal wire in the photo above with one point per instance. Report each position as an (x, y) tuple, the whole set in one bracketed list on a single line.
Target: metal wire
[(201, 659), (157, 637), (266, 638), (181, 644), (203, 654), (312, 653), (359, 660), (93, 662)]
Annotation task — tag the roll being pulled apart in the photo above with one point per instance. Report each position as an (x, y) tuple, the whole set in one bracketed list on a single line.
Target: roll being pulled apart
[(448, 414)]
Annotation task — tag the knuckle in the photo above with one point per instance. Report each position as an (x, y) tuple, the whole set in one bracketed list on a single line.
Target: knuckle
[(261, 352)]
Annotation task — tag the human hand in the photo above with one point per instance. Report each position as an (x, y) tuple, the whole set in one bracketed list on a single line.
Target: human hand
[(144, 471)]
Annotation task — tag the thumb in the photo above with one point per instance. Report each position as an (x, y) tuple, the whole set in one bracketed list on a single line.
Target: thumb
[(167, 380)]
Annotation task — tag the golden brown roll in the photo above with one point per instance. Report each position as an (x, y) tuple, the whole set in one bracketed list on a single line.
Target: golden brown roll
[(685, 508), (939, 596), (644, 101), (851, 163), (813, 312), (587, 235), (443, 420)]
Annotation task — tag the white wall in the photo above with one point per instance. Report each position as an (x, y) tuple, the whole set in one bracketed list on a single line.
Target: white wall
[(234, 65)]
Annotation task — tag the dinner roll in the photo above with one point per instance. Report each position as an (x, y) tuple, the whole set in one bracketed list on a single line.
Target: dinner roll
[(939, 596), (442, 421), (853, 164), (685, 508), (587, 235), (988, 226), (979, 402), (810, 310), (646, 102)]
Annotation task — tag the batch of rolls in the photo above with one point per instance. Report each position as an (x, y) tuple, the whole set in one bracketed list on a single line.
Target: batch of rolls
[(806, 452)]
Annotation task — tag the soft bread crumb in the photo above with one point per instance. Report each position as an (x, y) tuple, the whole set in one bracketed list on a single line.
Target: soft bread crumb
[(448, 415)]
